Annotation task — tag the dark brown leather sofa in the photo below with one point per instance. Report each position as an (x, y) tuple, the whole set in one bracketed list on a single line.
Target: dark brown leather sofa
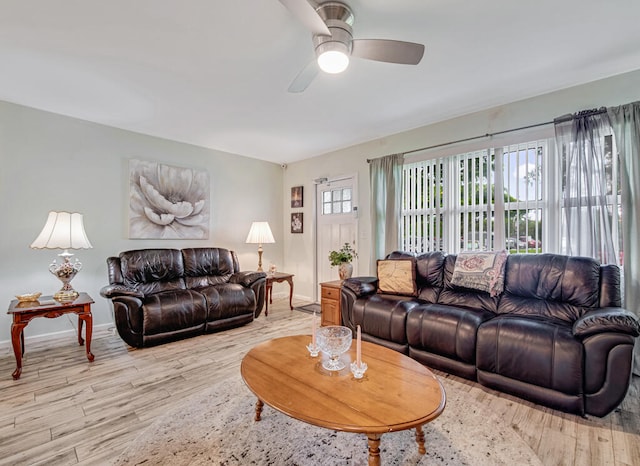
[(556, 335), (160, 295)]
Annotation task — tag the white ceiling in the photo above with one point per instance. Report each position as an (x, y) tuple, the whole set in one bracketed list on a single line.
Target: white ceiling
[(215, 73)]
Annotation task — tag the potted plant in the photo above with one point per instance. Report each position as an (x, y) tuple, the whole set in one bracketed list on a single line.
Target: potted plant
[(342, 258)]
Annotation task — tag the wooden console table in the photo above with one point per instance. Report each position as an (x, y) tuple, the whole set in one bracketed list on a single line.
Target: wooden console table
[(23, 312), (330, 303), (277, 277)]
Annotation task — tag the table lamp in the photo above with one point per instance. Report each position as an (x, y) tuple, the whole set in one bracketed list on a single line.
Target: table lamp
[(260, 234), (63, 230)]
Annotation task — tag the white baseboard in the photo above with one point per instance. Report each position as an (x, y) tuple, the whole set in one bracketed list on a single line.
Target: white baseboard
[(285, 295), (6, 344)]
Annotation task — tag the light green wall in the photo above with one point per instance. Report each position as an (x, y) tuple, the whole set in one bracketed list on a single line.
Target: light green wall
[(613, 91), (51, 162)]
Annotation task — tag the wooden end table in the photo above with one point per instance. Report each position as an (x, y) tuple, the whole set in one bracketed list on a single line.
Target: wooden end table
[(46, 306), (277, 277), (330, 303), (396, 393)]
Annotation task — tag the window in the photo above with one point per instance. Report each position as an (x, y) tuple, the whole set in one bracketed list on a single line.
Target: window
[(451, 204), (337, 201)]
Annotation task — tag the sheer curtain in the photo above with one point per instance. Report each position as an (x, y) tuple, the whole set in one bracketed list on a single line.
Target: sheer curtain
[(385, 175), (625, 120), (584, 142)]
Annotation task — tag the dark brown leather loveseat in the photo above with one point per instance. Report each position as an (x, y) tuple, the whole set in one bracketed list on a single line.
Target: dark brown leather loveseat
[(556, 335), (161, 295)]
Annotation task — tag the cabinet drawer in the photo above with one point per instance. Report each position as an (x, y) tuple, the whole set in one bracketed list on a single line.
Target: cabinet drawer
[(330, 293)]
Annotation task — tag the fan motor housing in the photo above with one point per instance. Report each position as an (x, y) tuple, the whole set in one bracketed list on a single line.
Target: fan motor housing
[(339, 19)]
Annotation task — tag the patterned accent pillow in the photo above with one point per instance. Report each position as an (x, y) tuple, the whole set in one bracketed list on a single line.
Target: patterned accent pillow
[(483, 271), (397, 277)]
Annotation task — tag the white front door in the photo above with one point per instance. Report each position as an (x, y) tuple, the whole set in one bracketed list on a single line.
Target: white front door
[(336, 224)]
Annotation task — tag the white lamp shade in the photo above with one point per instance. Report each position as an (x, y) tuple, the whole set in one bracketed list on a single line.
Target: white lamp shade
[(63, 230), (260, 233)]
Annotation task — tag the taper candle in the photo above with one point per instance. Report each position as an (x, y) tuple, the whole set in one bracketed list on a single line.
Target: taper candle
[(358, 347), (313, 330)]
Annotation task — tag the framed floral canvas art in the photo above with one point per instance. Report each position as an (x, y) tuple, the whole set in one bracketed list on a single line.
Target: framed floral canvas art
[(296, 222), (167, 202)]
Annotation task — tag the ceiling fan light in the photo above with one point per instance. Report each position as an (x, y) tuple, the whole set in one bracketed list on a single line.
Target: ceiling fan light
[(333, 61)]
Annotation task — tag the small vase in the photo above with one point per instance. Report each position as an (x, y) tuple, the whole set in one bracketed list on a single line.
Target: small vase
[(345, 270)]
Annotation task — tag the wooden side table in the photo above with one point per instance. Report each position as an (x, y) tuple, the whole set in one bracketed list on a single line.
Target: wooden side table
[(330, 303), (277, 277), (23, 312)]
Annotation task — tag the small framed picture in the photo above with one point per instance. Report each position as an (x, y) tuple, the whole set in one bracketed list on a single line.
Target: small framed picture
[(297, 196), (296, 222)]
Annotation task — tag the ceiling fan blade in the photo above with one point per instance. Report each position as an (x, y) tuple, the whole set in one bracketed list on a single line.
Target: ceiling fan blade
[(307, 15), (305, 77), (391, 51)]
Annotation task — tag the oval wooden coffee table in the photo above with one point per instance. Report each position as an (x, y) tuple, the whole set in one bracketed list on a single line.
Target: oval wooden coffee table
[(396, 393)]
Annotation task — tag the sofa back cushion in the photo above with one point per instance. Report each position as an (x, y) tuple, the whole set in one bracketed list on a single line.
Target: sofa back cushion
[(453, 295), (152, 270), (208, 266), (550, 286)]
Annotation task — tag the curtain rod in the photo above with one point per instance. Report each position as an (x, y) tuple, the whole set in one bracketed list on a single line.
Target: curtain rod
[(561, 119)]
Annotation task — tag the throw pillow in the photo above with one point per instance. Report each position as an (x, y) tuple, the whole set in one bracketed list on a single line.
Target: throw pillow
[(483, 271), (397, 277)]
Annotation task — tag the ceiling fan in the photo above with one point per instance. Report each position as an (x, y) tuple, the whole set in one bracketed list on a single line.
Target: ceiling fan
[(331, 24)]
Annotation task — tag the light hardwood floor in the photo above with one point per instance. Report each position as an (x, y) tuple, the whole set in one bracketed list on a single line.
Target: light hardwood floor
[(65, 410)]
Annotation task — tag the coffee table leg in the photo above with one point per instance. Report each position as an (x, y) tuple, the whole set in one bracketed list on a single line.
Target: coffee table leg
[(374, 449), (259, 405), (420, 440)]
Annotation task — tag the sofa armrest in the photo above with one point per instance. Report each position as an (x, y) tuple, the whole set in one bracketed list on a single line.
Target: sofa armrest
[(352, 290), (246, 279), (112, 291), (361, 286), (606, 319)]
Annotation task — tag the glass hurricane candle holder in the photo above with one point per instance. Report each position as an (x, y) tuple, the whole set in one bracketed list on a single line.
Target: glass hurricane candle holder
[(334, 340)]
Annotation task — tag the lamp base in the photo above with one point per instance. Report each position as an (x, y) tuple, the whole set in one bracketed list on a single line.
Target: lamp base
[(65, 273), (66, 295), (260, 258)]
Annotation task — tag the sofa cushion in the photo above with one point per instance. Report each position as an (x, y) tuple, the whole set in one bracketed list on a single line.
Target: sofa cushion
[(429, 276), (383, 316), (228, 300), (397, 276), (152, 270), (445, 330), (550, 285), (536, 351), (463, 297), (170, 311), (208, 266)]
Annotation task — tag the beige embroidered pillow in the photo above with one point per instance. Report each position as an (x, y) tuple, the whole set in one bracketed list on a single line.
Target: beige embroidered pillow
[(397, 277), (482, 271)]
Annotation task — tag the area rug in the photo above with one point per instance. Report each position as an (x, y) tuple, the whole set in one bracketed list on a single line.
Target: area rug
[(309, 308), (216, 427)]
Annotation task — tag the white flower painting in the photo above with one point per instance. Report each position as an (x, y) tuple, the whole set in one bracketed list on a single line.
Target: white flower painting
[(167, 202)]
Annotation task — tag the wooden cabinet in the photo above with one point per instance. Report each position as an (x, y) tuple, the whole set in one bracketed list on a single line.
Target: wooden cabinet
[(330, 302)]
